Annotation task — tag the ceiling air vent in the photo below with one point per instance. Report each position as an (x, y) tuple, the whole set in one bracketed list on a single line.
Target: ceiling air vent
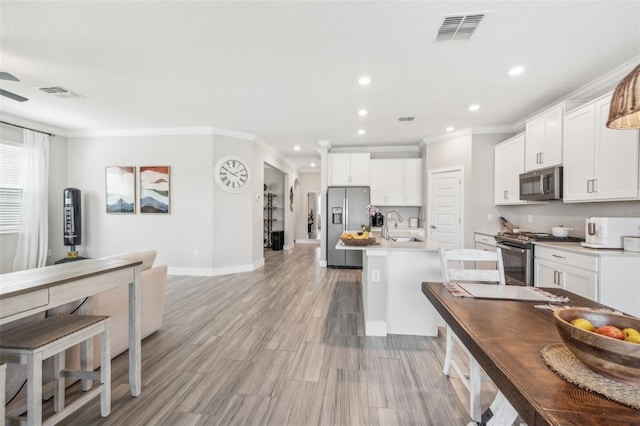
[(60, 92), (406, 118), (459, 27)]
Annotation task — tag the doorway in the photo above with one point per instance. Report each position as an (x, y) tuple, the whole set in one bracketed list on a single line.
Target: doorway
[(445, 207), (313, 215)]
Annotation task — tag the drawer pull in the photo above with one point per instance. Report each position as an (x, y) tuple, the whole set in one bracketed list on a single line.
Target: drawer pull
[(559, 257)]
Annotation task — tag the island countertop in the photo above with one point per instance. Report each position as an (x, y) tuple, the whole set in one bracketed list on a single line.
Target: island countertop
[(383, 244)]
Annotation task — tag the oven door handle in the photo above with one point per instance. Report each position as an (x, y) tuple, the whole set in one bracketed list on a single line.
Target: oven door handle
[(511, 248)]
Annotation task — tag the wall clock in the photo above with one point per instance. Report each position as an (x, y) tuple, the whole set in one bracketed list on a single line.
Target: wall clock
[(232, 174)]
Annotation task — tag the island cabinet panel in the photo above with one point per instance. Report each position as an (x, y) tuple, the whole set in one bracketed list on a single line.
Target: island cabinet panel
[(349, 169), (600, 164), (508, 165)]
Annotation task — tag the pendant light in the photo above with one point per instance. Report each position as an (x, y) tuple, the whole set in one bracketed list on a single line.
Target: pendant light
[(624, 111)]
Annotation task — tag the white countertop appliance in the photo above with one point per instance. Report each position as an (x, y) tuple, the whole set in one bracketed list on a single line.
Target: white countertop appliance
[(608, 232)]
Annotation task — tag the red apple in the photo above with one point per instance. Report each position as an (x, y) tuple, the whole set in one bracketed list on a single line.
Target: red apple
[(610, 331)]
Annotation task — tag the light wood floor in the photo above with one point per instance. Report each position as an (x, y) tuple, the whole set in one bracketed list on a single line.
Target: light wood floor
[(283, 345)]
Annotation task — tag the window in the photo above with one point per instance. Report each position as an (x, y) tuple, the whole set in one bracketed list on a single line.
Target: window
[(11, 184)]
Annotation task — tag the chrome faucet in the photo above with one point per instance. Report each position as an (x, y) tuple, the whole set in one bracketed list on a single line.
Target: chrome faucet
[(385, 226)]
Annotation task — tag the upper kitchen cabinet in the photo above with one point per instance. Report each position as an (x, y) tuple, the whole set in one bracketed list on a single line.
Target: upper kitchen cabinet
[(600, 164), (396, 182), (508, 164), (543, 146), (349, 169)]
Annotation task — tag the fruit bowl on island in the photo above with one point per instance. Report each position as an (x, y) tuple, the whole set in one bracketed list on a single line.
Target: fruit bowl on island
[(611, 357)]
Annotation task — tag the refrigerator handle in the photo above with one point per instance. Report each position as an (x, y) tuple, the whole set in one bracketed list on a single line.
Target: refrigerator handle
[(345, 209)]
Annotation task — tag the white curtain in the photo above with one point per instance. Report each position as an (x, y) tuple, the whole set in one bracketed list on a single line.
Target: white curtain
[(34, 226)]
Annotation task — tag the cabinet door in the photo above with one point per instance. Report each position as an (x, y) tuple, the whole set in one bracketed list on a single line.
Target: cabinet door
[(360, 170), (413, 182), (552, 139), (509, 163), (579, 145), (579, 281), (378, 182), (339, 169), (534, 131), (543, 146), (616, 158), (545, 274), (395, 182)]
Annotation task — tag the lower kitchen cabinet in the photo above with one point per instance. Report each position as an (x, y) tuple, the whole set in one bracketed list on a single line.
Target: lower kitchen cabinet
[(575, 280), (609, 277)]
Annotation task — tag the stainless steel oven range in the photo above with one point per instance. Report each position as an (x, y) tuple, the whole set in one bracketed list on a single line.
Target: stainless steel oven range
[(518, 254)]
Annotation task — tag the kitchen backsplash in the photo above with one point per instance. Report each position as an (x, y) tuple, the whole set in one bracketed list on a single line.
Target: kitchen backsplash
[(542, 217)]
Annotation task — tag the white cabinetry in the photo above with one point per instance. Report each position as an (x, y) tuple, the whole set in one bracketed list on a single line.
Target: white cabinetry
[(543, 147), (609, 277), (600, 164), (349, 169), (396, 182), (508, 164), (574, 272)]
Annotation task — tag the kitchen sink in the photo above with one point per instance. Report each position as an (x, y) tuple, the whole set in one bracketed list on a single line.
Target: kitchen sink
[(406, 239)]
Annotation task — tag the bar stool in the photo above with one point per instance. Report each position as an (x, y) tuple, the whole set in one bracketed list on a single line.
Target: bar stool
[(34, 342)]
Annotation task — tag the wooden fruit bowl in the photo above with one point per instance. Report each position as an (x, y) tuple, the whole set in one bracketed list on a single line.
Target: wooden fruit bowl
[(609, 357), (354, 242)]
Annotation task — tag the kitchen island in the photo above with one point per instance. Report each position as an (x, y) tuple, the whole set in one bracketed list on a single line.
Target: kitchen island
[(392, 273)]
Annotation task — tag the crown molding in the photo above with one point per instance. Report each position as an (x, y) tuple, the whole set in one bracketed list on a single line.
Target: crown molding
[(160, 131), (38, 125), (372, 149), (590, 91)]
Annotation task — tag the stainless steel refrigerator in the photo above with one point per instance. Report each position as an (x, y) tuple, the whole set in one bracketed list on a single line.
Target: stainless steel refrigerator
[(346, 211)]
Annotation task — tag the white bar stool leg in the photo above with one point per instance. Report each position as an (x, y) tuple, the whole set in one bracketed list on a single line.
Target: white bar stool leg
[(34, 389), (86, 361), (105, 371), (59, 363), (3, 382)]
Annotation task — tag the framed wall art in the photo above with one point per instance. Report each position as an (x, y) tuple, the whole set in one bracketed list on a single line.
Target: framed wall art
[(155, 184), (121, 189)]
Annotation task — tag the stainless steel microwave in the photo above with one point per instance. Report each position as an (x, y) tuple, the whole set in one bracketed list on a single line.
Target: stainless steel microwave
[(541, 185)]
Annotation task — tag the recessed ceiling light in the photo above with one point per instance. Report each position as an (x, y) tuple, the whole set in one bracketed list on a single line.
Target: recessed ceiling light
[(516, 70), (312, 164), (364, 80), (362, 112), (296, 148), (450, 129), (361, 132), (474, 107)]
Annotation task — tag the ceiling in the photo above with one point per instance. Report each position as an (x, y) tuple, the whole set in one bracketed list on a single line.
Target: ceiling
[(286, 72)]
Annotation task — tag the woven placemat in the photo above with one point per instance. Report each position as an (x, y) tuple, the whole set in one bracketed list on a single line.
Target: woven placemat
[(566, 365)]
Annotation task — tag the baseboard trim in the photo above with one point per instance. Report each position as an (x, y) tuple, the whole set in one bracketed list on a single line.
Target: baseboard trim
[(308, 241), (213, 272)]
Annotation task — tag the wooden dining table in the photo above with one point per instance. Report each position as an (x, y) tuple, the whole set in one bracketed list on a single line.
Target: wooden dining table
[(506, 337), (33, 291)]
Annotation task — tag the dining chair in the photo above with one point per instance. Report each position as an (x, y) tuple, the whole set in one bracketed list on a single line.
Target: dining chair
[(462, 265)]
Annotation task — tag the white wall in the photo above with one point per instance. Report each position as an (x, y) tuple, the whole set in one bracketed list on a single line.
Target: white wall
[(175, 236), (453, 153)]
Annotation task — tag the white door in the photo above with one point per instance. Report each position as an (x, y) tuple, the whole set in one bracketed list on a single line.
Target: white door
[(445, 207)]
